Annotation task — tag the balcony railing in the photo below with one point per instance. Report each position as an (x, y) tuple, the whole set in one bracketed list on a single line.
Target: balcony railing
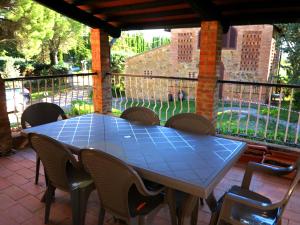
[(72, 92), (258, 111)]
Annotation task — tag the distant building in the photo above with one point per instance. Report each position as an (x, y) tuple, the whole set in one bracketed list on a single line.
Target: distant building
[(248, 54)]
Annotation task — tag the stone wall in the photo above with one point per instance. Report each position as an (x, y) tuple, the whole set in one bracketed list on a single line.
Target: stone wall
[(252, 59)]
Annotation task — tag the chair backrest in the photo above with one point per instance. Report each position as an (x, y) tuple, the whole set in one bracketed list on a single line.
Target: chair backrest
[(191, 123), (55, 158), (41, 113), (141, 115), (113, 178)]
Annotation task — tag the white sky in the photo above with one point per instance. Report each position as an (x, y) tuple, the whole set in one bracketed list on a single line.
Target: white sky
[(149, 34)]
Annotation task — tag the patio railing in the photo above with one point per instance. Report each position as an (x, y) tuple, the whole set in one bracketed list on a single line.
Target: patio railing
[(72, 92), (258, 111)]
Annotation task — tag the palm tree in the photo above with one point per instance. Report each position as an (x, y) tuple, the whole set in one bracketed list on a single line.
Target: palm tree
[(5, 133)]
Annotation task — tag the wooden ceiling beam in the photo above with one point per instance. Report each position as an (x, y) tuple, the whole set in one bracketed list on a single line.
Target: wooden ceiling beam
[(136, 6), (264, 18), (261, 6), (75, 13), (150, 15), (182, 23), (206, 9)]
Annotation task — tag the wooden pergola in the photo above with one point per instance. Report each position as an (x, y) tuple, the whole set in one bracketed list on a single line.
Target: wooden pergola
[(110, 17)]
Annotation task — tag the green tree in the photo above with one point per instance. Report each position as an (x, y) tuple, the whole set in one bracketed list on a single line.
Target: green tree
[(290, 44), (42, 30)]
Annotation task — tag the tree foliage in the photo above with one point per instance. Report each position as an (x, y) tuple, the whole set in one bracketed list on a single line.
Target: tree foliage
[(42, 32), (136, 43), (290, 44)]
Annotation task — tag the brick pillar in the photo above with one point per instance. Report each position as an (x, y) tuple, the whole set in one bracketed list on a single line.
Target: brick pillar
[(209, 69), (5, 132), (100, 64)]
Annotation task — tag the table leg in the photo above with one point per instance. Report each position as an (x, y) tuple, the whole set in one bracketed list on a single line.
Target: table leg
[(212, 204), (171, 201)]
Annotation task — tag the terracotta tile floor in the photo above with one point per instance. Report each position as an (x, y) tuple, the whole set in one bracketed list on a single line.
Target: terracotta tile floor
[(20, 198)]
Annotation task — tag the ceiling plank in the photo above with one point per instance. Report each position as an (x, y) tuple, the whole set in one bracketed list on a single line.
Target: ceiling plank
[(178, 23), (264, 18), (136, 6), (261, 6), (75, 13), (150, 15), (206, 9)]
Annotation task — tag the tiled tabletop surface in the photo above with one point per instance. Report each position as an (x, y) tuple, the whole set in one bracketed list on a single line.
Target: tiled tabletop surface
[(190, 163)]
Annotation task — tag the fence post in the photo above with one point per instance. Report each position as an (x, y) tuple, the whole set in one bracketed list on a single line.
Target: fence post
[(5, 132), (102, 97), (209, 69)]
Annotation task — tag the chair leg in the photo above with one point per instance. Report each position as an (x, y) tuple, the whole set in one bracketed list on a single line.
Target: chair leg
[(79, 199), (142, 220), (37, 169), (48, 200), (194, 216), (101, 216)]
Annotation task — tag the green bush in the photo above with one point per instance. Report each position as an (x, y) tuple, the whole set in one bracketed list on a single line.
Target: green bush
[(80, 107), (297, 100)]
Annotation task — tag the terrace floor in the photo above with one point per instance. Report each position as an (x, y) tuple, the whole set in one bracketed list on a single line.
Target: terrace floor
[(20, 197)]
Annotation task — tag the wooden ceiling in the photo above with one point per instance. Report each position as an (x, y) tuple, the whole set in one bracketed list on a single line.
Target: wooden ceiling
[(116, 15)]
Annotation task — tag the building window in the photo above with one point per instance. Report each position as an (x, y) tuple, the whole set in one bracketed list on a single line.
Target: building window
[(250, 51), (185, 47), (148, 72)]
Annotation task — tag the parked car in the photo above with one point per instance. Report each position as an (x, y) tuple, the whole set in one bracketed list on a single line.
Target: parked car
[(17, 99)]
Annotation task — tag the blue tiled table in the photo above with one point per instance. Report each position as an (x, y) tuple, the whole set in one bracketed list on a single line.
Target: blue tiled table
[(190, 163)]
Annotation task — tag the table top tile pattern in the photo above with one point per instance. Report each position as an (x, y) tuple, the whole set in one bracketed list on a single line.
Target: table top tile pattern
[(172, 157)]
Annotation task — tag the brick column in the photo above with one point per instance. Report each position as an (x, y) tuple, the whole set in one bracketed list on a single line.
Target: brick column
[(5, 132), (100, 64), (209, 69)]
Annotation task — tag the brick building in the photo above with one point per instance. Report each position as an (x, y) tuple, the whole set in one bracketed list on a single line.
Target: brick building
[(248, 54)]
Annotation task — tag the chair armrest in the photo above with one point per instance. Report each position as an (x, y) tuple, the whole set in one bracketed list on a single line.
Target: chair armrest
[(258, 167), (231, 199)]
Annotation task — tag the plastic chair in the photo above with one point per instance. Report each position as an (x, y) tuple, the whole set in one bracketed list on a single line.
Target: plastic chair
[(141, 115), (191, 123), (242, 206), (121, 191), (194, 124), (65, 173), (38, 114)]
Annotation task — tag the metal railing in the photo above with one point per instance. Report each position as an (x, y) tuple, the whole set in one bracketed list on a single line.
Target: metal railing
[(259, 111), (72, 92), (166, 96)]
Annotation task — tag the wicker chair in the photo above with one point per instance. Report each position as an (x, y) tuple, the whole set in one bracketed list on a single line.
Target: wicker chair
[(194, 124), (38, 114), (191, 123), (65, 173), (242, 206), (141, 115), (121, 191)]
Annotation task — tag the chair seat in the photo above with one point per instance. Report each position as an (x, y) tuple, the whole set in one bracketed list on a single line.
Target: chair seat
[(142, 205), (79, 179), (248, 215)]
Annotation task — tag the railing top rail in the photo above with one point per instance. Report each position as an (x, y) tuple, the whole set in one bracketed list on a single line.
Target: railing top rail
[(258, 84), (196, 79), (152, 76), (48, 77)]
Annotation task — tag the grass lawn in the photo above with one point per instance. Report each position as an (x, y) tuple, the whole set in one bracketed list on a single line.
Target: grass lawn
[(228, 122)]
